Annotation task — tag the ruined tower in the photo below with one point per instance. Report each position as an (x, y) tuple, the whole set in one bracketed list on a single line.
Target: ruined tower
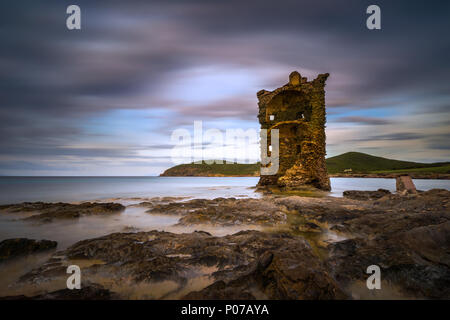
[(297, 110)]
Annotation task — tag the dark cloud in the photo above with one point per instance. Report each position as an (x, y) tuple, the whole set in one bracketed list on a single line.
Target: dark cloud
[(57, 151), (23, 165), (400, 136), (439, 142), (363, 120), (240, 108)]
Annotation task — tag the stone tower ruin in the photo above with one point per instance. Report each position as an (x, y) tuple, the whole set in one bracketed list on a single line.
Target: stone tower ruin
[(297, 110)]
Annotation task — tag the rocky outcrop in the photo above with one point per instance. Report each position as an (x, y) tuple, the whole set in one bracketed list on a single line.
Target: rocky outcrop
[(12, 248), (46, 212), (252, 263), (224, 212), (289, 273), (417, 261), (407, 236), (89, 292), (365, 195), (395, 213)]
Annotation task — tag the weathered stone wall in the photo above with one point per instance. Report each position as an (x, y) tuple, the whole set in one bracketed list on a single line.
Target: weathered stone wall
[(297, 110)]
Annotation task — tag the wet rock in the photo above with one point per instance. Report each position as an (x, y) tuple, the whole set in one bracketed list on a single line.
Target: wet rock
[(407, 236), (387, 214), (286, 263), (287, 273), (365, 195), (89, 292), (327, 210), (309, 227), (181, 208), (431, 200), (12, 248), (46, 212), (417, 261), (154, 201), (375, 224), (395, 213), (224, 212), (130, 229)]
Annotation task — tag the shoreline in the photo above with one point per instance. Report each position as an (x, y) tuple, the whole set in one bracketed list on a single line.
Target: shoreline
[(329, 240), (435, 176)]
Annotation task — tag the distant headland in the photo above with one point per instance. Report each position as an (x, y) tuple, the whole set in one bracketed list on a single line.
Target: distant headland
[(350, 164)]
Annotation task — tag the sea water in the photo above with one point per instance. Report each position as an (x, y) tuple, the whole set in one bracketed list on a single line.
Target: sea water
[(71, 189)]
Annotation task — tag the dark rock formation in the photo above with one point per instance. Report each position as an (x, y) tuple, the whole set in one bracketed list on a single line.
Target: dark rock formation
[(297, 110), (415, 260), (253, 264), (408, 237), (223, 212), (365, 195), (288, 273), (46, 212), (12, 248), (89, 292)]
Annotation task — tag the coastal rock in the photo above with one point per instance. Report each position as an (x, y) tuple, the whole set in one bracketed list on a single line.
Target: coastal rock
[(154, 201), (365, 195), (181, 208), (431, 200), (389, 213), (89, 292), (326, 210), (46, 212), (130, 229), (407, 236), (374, 224), (12, 248), (309, 227), (416, 261), (289, 273), (409, 240), (224, 212), (286, 263)]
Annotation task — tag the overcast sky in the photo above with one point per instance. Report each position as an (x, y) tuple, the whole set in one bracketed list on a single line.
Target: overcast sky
[(105, 100)]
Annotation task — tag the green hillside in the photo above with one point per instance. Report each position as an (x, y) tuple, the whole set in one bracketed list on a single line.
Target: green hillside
[(357, 161), (365, 163), (203, 169), (444, 169)]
